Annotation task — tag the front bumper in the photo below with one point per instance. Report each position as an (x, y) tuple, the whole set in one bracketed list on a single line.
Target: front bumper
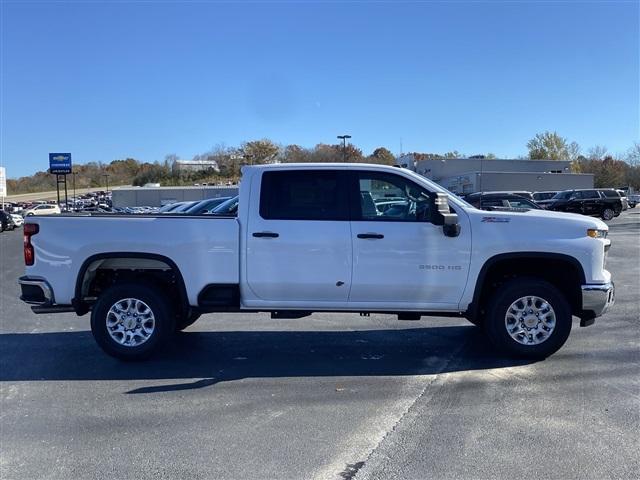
[(597, 299)]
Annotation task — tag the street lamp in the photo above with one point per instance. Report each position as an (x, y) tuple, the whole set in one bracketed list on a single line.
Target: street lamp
[(344, 146), (106, 179)]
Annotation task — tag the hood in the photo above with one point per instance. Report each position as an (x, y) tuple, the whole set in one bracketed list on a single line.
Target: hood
[(539, 219)]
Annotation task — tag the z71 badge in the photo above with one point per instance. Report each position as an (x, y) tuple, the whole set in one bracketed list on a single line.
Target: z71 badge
[(496, 219)]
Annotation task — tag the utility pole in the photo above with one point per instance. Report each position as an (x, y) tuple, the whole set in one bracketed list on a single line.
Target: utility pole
[(106, 178), (344, 146)]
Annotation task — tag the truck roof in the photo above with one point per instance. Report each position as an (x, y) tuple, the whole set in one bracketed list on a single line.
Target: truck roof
[(301, 166)]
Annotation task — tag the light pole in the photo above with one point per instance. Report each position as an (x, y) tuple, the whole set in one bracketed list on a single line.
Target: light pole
[(106, 179), (75, 199), (344, 146)]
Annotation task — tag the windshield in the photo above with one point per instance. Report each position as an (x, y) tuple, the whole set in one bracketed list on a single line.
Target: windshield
[(184, 207), (205, 206), (168, 207), (228, 207)]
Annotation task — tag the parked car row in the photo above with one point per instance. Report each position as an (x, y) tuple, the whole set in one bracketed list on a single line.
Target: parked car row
[(606, 203)]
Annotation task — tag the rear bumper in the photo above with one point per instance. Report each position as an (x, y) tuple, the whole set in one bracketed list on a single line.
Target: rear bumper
[(36, 291), (597, 299)]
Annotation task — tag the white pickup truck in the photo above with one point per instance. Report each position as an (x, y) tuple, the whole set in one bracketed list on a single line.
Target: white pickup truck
[(310, 238)]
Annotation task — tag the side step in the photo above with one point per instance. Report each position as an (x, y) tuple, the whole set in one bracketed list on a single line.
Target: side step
[(291, 314), (52, 309)]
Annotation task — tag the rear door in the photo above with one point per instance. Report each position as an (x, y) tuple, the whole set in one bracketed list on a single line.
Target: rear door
[(299, 243), (591, 202)]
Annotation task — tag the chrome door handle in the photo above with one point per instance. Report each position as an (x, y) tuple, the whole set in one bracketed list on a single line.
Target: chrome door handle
[(265, 234), (376, 236)]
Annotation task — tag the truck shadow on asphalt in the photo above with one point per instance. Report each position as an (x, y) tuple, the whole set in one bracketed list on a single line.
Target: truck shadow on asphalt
[(207, 358)]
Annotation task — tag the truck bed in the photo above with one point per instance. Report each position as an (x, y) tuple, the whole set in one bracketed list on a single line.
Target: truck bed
[(204, 248)]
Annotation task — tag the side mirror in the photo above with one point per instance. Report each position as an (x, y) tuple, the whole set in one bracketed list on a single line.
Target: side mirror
[(439, 214)]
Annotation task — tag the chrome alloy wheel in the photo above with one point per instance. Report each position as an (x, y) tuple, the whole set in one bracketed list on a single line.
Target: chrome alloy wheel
[(530, 320), (130, 322)]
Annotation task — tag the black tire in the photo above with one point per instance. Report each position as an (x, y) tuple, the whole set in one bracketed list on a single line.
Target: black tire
[(496, 324), (607, 213), (157, 304), (184, 322)]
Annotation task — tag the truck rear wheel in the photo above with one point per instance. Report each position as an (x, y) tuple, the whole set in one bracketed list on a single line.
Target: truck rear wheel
[(528, 317), (131, 321)]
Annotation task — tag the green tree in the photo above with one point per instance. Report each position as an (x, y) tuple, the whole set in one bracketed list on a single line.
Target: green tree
[(548, 146)]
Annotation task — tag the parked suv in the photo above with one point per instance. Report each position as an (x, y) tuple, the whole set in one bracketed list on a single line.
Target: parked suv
[(598, 203), (612, 193)]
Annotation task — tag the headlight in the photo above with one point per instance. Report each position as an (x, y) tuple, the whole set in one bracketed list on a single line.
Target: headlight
[(594, 233)]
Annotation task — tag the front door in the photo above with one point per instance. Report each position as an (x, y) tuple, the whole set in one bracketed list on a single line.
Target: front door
[(299, 245), (399, 259)]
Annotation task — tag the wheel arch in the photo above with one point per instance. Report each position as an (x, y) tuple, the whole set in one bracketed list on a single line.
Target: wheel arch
[(82, 307), (564, 272)]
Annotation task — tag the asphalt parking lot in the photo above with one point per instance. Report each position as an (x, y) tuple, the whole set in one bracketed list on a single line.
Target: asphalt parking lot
[(330, 396)]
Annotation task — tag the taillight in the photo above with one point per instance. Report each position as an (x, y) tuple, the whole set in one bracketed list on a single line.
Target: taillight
[(29, 230)]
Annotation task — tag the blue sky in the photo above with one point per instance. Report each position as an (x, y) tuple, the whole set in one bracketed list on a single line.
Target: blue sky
[(143, 79)]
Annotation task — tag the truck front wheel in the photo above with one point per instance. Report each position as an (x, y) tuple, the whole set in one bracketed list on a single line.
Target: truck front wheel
[(131, 321), (528, 317)]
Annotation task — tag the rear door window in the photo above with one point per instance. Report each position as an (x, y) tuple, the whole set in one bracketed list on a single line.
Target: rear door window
[(610, 193), (587, 194), (304, 195)]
